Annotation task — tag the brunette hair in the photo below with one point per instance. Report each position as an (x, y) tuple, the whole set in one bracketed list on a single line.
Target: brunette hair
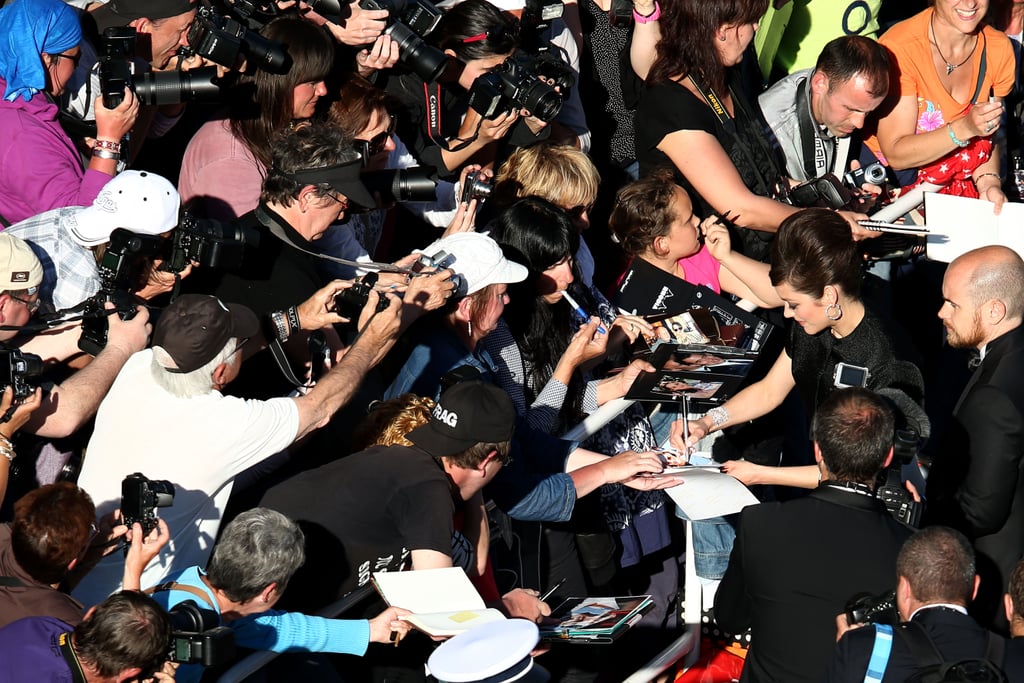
[(847, 56), (50, 529), (358, 101), (643, 211), (814, 248), (687, 44), (490, 32), (261, 104)]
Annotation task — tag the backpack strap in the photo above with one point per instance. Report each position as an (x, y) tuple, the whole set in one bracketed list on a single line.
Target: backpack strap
[(921, 646)]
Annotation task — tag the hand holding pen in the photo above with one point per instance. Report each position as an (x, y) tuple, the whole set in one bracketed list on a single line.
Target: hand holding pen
[(582, 314), (715, 231)]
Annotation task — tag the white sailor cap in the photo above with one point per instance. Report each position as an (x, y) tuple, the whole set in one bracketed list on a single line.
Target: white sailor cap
[(496, 652)]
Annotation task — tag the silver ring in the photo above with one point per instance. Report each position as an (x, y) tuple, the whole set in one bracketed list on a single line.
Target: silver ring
[(989, 126), (632, 327)]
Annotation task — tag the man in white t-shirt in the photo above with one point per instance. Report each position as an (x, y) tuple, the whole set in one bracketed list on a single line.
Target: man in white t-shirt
[(165, 416)]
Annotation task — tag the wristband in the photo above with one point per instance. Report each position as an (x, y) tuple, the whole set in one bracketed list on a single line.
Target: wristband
[(293, 319), (7, 448), (719, 416), (108, 144), (105, 154), (653, 16), (952, 136)]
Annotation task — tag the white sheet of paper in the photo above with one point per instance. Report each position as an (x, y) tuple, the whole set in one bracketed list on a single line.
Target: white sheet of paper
[(706, 492), (958, 224)]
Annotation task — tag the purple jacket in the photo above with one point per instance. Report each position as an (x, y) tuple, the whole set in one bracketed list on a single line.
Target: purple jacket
[(40, 169), (30, 652)]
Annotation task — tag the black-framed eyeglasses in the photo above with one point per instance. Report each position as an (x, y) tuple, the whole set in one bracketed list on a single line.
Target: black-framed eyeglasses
[(335, 197), (75, 59), (377, 144), (32, 306)]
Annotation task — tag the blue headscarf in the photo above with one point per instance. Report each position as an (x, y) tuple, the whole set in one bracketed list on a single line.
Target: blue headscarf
[(27, 29)]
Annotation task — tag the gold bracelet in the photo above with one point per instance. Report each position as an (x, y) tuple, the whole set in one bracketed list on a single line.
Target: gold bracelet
[(998, 178)]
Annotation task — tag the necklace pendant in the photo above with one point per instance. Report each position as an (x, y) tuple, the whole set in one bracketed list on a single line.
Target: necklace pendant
[(950, 67)]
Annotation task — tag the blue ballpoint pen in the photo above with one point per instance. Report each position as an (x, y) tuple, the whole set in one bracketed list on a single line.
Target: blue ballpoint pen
[(581, 313)]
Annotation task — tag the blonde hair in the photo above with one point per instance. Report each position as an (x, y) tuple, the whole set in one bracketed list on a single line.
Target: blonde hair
[(389, 421), (561, 174)]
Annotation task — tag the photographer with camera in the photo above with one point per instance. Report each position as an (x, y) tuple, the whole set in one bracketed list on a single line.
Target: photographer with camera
[(126, 637), (251, 566), (39, 166), (463, 114), (128, 42), (795, 564), (816, 114), (71, 242), (936, 582), (53, 541), (200, 439)]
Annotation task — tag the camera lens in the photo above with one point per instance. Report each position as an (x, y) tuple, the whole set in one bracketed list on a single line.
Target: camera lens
[(175, 87), (417, 184), (542, 101), (874, 174), (267, 54), (425, 60)]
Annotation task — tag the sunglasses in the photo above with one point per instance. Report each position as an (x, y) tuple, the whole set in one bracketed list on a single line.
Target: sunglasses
[(377, 144)]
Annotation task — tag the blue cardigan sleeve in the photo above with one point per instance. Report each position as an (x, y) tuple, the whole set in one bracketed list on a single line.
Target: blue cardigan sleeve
[(278, 631)]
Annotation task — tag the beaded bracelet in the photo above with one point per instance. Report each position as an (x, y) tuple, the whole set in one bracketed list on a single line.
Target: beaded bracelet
[(113, 146), (105, 154), (952, 136), (653, 16)]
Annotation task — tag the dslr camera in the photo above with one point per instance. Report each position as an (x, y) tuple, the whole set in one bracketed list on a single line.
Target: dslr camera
[(350, 302), (476, 186), (120, 270), (197, 636), (865, 608), (516, 84), (209, 243), (409, 22), (117, 47), (896, 498), (16, 369), (222, 39), (141, 496)]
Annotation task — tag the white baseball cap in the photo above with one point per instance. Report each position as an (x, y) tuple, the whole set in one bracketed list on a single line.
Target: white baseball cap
[(139, 201), (478, 259)]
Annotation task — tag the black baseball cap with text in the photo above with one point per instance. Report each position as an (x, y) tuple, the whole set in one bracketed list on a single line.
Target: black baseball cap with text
[(466, 414)]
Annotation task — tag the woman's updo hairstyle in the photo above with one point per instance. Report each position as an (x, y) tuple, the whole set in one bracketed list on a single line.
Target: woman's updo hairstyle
[(814, 248), (476, 29)]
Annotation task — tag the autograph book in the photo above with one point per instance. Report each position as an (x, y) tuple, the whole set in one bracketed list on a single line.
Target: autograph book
[(443, 602), (594, 620)]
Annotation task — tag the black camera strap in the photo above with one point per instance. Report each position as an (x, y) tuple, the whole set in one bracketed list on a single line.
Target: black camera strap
[(74, 666), (814, 150), (433, 103), (277, 231), (769, 188)]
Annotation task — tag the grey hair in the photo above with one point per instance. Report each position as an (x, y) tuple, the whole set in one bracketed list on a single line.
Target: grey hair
[(188, 384), (259, 547)]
